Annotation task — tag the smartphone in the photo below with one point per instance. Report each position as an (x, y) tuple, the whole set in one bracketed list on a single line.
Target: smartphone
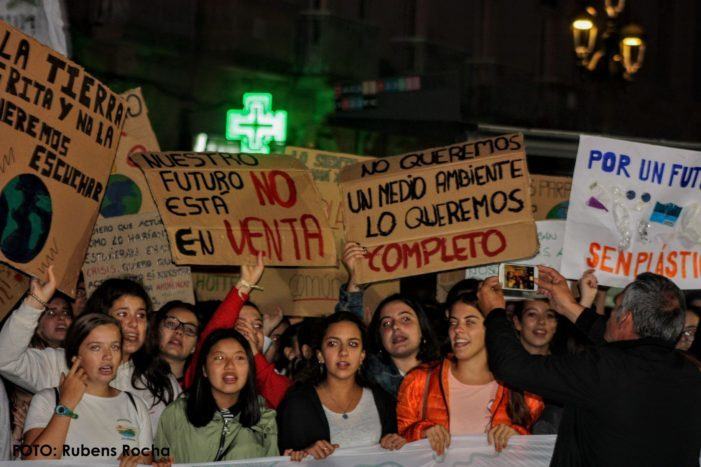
[(518, 277)]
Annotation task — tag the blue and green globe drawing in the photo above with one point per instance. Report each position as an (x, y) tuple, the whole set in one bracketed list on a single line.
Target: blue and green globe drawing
[(25, 218), (122, 197), (559, 211)]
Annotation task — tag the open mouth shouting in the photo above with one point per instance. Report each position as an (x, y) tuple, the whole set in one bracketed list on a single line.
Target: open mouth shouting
[(229, 378), (106, 370), (460, 343)]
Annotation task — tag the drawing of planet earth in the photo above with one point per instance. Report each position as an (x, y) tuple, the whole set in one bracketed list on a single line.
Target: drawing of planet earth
[(25, 218), (559, 211), (122, 197)]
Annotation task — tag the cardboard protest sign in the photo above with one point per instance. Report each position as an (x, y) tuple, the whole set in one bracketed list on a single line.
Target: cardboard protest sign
[(127, 191), (634, 208), (222, 209), (551, 237), (59, 130), (13, 285), (325, 167), (445, 281), (550, 196), (215, 285), (293, 289), (315, 290), (439, 209), (136, 246)]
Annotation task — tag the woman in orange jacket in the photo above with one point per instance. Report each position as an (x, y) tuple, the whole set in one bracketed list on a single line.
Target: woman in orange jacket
[(459, 396)]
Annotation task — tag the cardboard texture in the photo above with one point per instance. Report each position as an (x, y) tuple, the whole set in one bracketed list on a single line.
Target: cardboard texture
[(430, 211), (550, 196), (222, 209), (136, 247), (445, 281), (13, 285), (634, 208), (59, 131), (315, 290), (297, 293), (127, 191), (215, 285)]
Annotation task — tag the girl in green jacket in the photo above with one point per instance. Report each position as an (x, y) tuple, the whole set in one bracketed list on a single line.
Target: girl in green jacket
[(221, 417)]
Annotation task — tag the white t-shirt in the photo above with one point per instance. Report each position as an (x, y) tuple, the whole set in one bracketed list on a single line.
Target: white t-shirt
[(103, 427), (37, 369), (361, 428)]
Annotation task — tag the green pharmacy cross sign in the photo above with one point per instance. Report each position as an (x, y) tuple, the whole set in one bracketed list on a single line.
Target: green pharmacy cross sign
[(256, 125)]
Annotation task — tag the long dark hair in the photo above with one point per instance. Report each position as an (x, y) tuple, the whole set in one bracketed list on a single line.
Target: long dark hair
[(201, 405), (149, 368), (155, 322), (428, 348), (81, 328), (318, 373), (517, 409)]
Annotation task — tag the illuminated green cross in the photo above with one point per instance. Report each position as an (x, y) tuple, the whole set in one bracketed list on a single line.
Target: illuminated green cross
[(256, 125)]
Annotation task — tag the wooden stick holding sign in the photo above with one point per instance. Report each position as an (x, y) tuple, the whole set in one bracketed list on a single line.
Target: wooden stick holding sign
[(440, 209), (222, 209)]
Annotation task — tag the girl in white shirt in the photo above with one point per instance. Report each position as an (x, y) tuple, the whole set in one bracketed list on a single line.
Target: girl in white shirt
[(141, 371), (86, 417)]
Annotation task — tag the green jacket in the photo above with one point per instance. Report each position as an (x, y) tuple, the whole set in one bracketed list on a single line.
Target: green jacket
[(189, 444)]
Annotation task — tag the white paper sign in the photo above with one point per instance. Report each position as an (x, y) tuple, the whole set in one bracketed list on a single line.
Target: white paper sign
[(634, 208), (551, 234)]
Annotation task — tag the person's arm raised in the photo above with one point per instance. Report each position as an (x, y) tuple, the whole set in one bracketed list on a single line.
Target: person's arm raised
[(32, 369), (351, 294), (571, 378), (553, 285), (228, 312)]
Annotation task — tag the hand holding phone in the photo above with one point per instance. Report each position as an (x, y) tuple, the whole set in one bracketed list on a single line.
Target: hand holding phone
[(518, 277)]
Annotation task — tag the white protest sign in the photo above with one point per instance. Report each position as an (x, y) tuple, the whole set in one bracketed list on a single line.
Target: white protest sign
[(465, 451), (135, 246), (551, 235), (634, 208)]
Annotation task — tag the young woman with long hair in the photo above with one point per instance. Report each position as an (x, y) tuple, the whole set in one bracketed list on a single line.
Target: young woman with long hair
[(336, 407), (141, 371), (237, 312), (400, 336), (175, 327), (459, 396), (85, 416), (221, 417)]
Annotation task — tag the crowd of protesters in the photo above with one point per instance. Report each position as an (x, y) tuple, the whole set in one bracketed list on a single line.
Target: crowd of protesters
[(111, 378)]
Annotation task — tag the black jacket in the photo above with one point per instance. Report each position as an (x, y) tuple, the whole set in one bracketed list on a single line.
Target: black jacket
[(301, 420), (629, 403)]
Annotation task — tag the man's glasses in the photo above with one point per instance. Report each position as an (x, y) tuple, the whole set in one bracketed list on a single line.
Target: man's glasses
[(174, 324)]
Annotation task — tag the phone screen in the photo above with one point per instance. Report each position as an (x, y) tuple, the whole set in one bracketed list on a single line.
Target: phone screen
[(519, 277)]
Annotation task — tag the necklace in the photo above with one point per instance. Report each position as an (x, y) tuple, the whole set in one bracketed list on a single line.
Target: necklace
[(344, 414)]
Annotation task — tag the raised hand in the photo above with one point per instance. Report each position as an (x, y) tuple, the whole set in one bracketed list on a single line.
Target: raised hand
[(353, 253), (588, 286), (553, 285), (490, 296), (41, 291), (251, 274)]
